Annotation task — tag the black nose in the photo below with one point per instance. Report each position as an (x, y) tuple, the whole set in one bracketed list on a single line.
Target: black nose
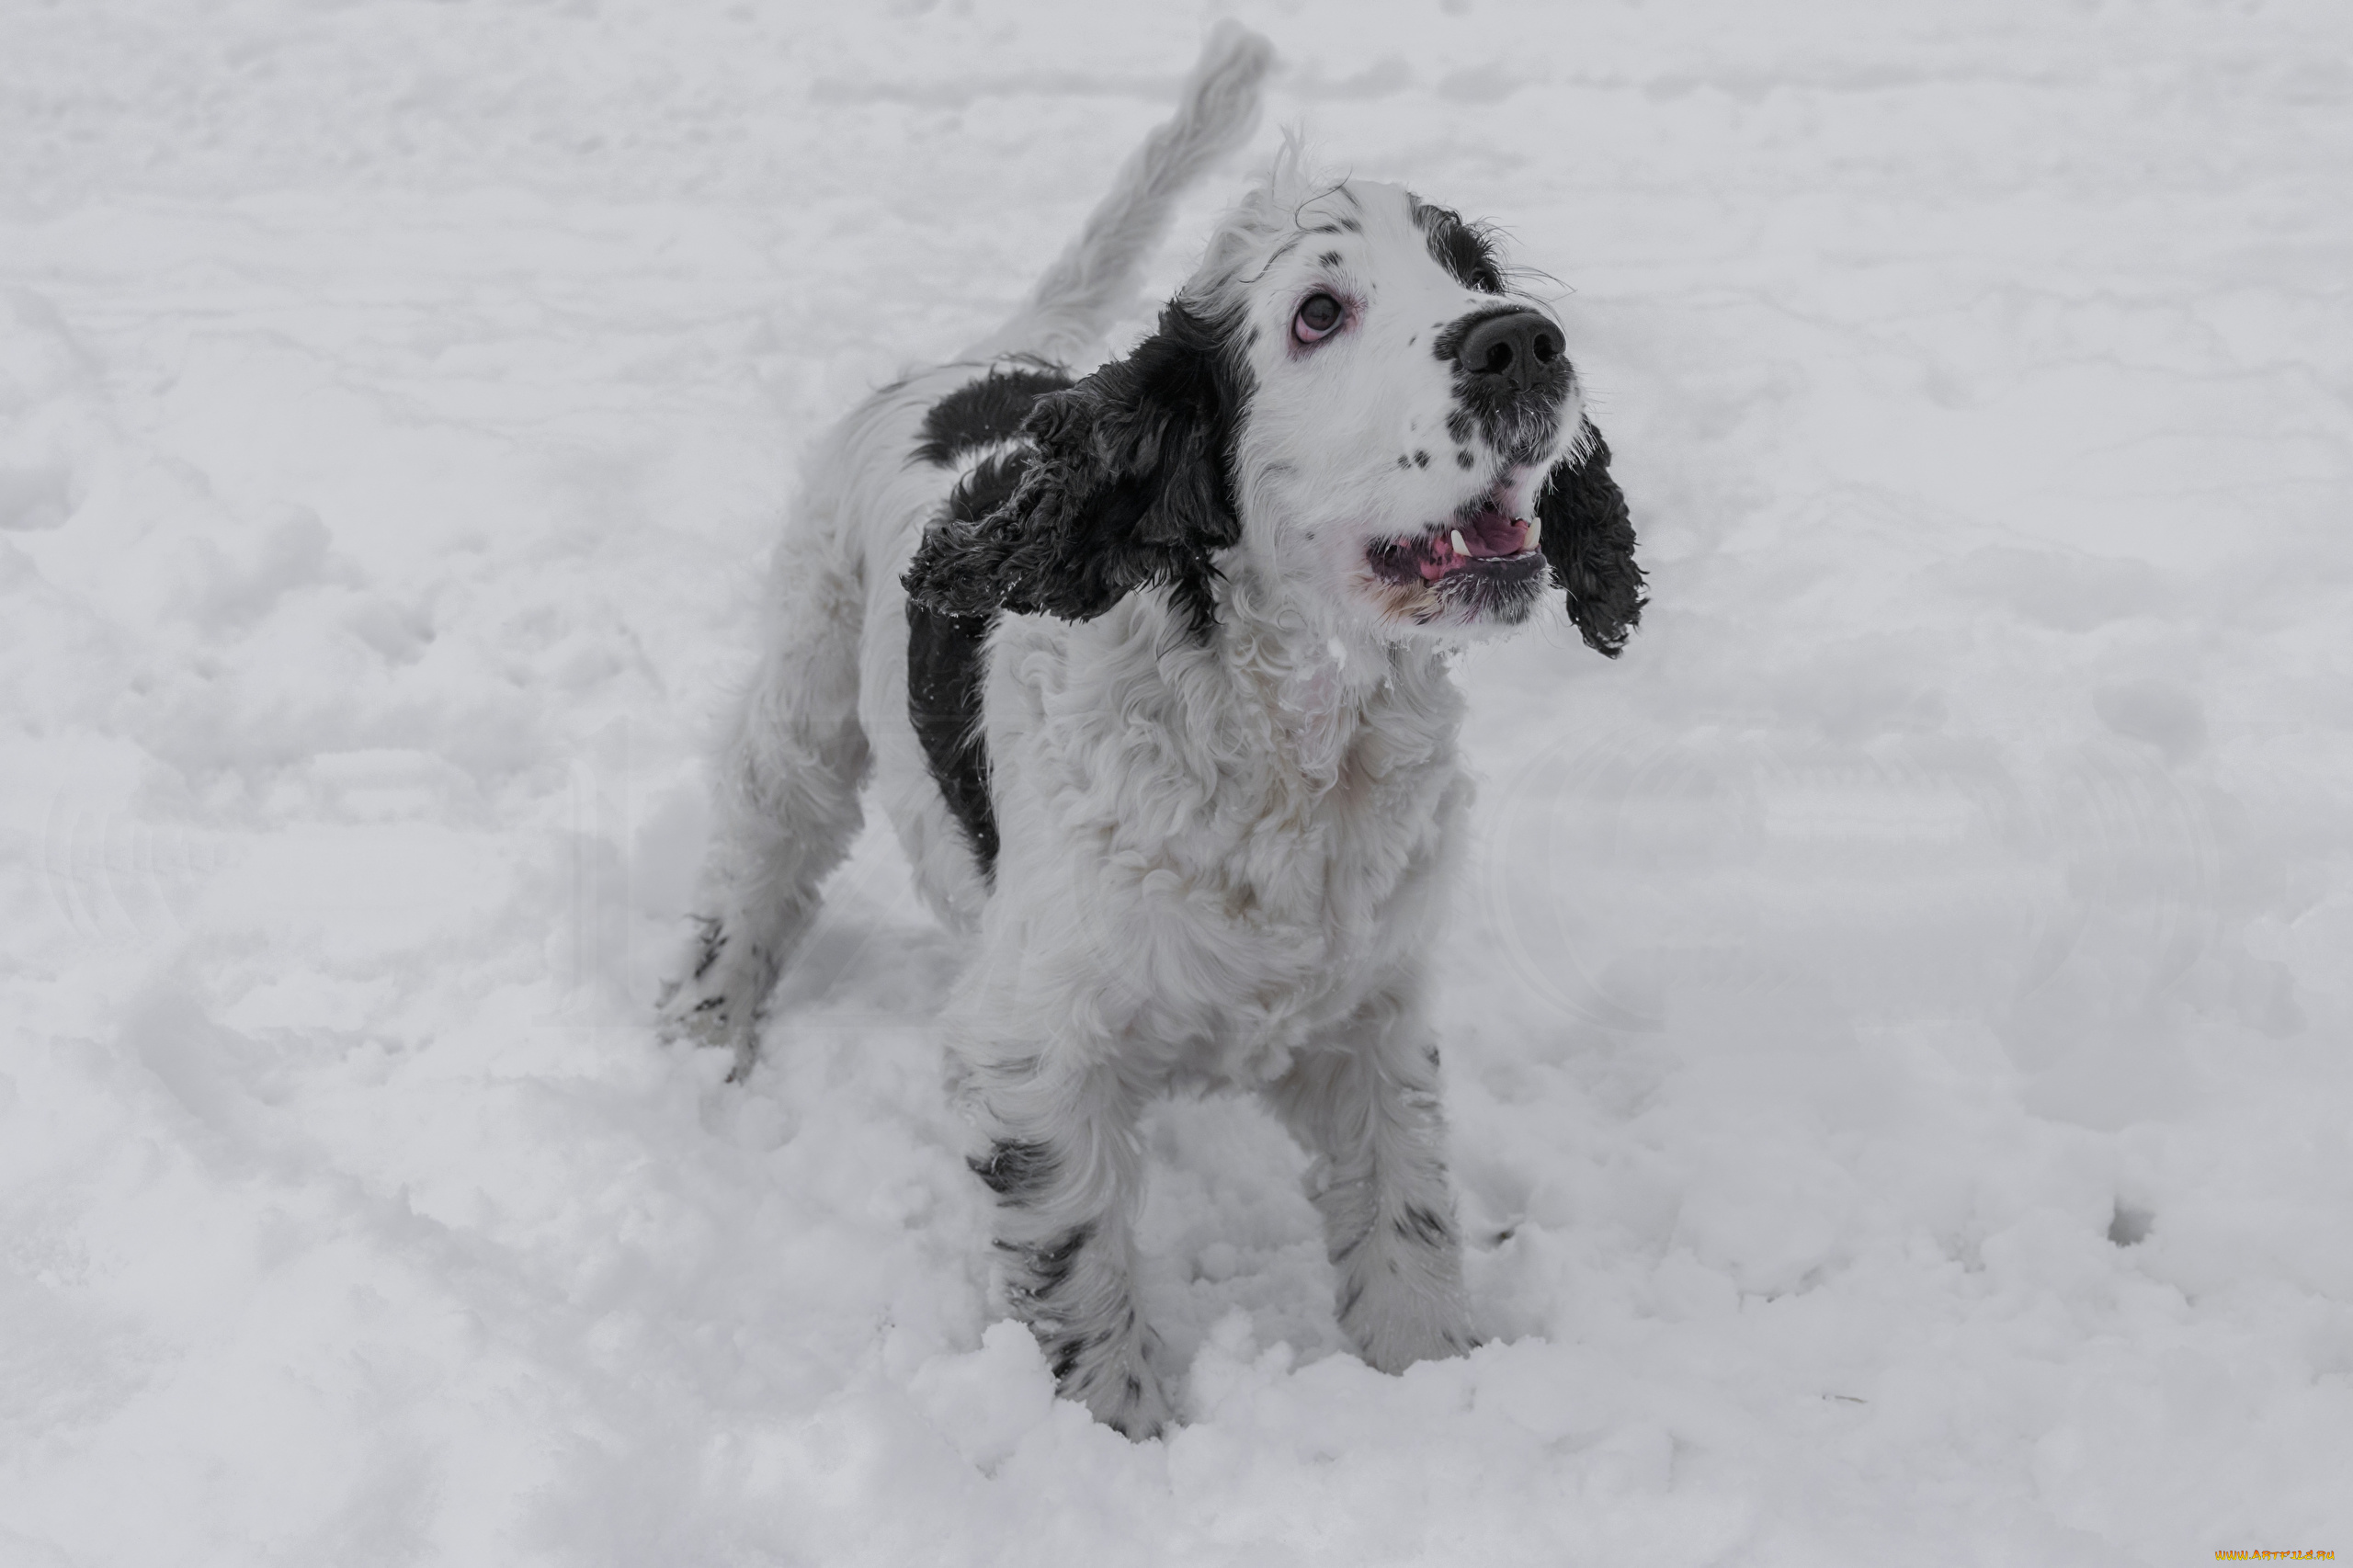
[(1520, 346)]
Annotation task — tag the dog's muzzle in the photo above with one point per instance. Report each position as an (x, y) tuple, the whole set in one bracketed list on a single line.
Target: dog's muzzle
[(1512, 380)]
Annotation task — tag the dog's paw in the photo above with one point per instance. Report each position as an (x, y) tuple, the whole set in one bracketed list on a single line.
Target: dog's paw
[(711, 1003), (1112, 1375), (1394, 1328), (1131, 1399), (1392, 1353)]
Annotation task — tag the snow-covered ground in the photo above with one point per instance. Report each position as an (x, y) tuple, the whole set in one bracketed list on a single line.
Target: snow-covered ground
[(1898, 1016)]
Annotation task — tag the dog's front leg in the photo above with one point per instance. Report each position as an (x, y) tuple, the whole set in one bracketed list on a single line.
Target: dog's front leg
[(1364, 1101), (1063, 1159)]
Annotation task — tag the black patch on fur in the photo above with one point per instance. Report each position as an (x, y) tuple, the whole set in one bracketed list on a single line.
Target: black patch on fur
[(1329, 258), (990, 485), (984, 413), (1015, 1170), (944, 704), (1046, 1265), (1589, 539), (1130, 486), (1518, 414), (1420, 1224), (944, 674), (944, 650), (1461, 457), (1421, 458), (1467, 251)]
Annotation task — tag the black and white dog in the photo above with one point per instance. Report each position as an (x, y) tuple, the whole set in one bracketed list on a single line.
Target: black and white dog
[(1150, 668)]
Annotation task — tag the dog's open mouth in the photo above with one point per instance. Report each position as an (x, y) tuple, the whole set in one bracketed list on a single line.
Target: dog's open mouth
[(1482, 538)]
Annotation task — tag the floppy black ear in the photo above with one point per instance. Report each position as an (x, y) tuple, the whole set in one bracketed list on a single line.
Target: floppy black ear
[(1128, 484), (1589, 539)]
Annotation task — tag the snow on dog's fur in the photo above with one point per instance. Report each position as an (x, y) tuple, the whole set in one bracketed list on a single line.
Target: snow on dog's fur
[(1150, 670)]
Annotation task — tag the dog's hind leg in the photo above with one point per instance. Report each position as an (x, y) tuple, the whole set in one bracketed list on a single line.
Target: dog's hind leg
[(1064, 1161), (784, 793), (1365, 1103)]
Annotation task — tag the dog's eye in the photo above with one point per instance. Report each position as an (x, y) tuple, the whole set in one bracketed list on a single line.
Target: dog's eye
[(1318, 316)]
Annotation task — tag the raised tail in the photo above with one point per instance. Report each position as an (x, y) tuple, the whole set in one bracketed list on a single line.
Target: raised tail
[(1095, 278)]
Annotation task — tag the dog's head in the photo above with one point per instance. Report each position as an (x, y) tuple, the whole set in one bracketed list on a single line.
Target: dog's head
[(1349, 393)]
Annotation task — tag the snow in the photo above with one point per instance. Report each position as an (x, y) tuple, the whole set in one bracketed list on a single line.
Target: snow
[(1897, 1024)]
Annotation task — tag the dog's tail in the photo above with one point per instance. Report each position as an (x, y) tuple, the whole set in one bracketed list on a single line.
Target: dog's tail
[(1095, 279)]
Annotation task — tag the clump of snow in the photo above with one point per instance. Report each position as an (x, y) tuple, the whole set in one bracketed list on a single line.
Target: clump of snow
[(1896, 1027)]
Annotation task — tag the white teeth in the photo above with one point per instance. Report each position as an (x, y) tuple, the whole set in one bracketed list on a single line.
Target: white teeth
[(1534, 528), (1460, 547)]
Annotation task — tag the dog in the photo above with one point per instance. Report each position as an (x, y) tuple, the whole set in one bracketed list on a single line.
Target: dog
[(1150, 669)]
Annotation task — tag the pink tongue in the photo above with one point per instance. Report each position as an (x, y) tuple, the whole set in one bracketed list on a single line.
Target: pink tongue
[(1491, 533), (1485, 535)]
